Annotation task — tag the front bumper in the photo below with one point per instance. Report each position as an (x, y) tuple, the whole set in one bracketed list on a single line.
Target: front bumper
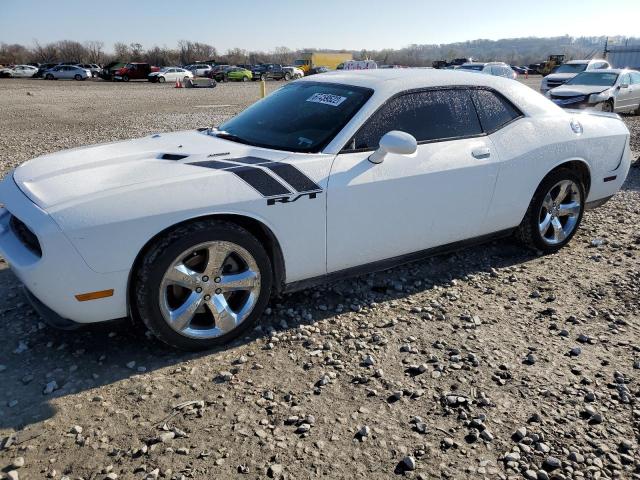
[(60, 272)]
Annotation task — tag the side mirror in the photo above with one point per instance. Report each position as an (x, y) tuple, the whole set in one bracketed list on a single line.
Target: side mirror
[(397, 142), (624, 85)]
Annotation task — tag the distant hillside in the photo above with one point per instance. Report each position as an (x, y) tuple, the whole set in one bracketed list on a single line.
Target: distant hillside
[(515, 51), (519, 51)]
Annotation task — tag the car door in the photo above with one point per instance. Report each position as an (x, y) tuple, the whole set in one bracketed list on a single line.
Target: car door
[(635, 89), (624, 98), (170, 75), (63, 72), (405, 204)]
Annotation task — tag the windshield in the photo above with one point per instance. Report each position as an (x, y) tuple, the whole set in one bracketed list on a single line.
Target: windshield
[(591, 78), (571, 68), (300, 117), (301, 62), (477, 68)]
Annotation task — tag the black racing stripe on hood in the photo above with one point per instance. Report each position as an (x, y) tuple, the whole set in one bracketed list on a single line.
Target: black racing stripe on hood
[(292, 176), (215, 164), (261, 181)]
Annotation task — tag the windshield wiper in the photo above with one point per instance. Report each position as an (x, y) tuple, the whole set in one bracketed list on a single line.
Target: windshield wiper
[(231, 137)]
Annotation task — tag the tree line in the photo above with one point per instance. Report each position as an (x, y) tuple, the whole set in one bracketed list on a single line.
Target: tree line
[(515, 51)]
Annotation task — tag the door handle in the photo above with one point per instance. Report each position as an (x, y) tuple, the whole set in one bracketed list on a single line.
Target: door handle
[(481, 152)]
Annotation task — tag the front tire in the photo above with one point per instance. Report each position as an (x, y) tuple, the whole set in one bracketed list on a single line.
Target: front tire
[(202, 285), (77, 77), (125, 78), (48, 76), (287, 76), (608, 106), (555, 212)]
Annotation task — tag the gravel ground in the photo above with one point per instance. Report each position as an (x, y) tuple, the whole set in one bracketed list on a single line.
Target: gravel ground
[(488, 363)]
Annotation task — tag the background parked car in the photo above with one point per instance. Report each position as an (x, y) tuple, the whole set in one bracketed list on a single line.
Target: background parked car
[(19, 71), (238, 74), (109, 70), (43, 67), (358, 65), (134, 71), (291, 72), (268, 71), (199, 69), (565, 72), (498, 69), (92, 67), (217, 72), (170, 74), (317, 70), (612, 90), (67, 72)]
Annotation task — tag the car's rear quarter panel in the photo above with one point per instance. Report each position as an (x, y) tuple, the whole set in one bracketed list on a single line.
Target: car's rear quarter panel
[(533, 146)]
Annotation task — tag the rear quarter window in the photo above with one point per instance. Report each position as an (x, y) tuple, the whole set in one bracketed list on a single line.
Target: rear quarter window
[(494, 110)]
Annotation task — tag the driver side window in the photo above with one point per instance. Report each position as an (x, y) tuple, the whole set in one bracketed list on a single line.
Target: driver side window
[(430, 115)]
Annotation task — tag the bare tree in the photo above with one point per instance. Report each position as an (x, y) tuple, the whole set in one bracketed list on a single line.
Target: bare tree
[(44, 53), (136, 51), (236, 55), (95, 52), (71, 51), (282, 55), (14, 53), (121, 51)]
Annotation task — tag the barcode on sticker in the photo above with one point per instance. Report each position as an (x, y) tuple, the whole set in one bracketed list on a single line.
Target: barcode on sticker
[(326, 99)]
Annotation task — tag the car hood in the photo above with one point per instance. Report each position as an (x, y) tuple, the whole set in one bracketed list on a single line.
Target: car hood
[(73, 176), (573, 90), (560, 77)]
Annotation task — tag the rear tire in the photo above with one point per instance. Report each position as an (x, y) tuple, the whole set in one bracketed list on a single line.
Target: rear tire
[(287, 76), (546, 206), (157, 296)]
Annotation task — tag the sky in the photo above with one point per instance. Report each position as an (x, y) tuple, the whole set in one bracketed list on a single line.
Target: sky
[(331, 24)]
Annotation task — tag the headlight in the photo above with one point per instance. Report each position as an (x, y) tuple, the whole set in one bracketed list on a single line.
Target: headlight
[(599, 97)]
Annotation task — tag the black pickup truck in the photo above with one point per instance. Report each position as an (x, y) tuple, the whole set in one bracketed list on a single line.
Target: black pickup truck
[(268, 71)]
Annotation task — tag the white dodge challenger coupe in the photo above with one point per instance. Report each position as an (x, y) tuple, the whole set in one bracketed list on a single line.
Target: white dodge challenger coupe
[(332, 175)]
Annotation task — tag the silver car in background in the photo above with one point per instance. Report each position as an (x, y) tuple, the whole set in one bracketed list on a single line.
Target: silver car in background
[(199, 69), (610, 90), (67, 72), (498, 69), (92, 67), (565, 72)]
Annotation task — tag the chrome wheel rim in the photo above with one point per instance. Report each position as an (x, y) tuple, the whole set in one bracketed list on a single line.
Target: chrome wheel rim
[(209, 290), (560, 212)]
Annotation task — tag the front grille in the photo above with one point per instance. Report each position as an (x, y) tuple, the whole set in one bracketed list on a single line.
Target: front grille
[(554, 83), (26, 236)]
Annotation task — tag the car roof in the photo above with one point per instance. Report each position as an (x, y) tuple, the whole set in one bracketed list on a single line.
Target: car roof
[(388, 82), (611, 70)]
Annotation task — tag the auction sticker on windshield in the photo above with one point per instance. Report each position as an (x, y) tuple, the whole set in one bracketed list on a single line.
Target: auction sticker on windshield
[(326, 99)]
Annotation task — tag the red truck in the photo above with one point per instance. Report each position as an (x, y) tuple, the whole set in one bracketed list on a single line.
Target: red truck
[(134, 71)]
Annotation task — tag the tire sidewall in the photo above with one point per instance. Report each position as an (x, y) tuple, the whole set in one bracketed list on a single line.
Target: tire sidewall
[(536, 204), (162, 254)]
